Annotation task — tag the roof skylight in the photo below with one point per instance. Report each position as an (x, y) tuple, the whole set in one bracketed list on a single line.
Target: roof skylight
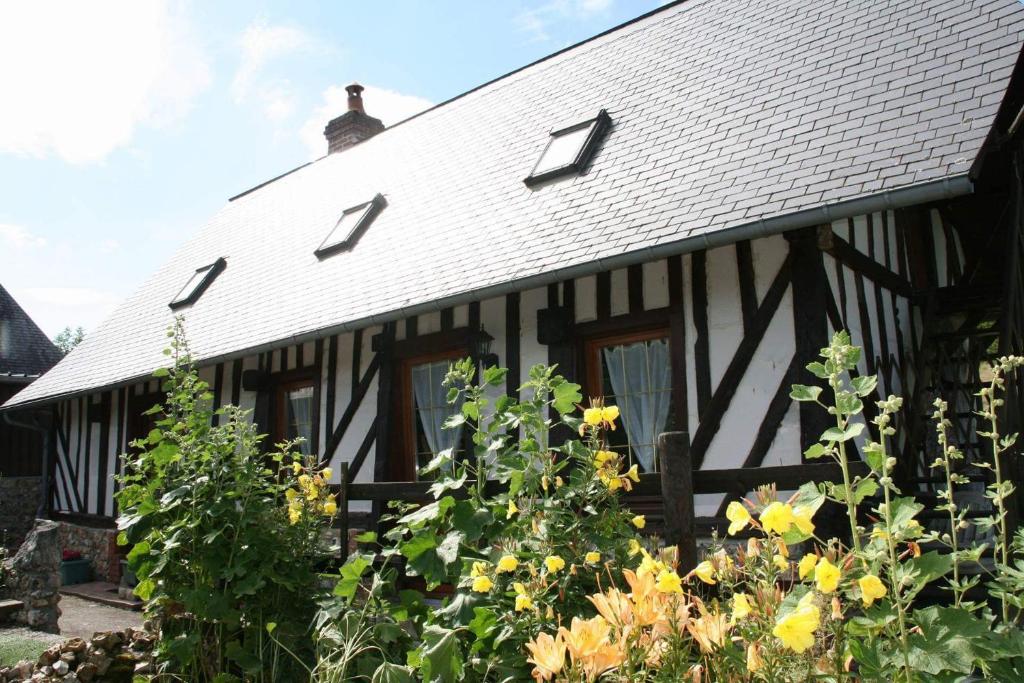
[(197, 284), (350, 226), (569, 149)]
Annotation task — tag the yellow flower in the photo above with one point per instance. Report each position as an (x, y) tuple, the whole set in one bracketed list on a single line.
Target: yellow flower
[(513, 509), (554, 563), (602, 457), (738, 517), (741, 606), (305, 481), (871, 589), (777, 517), (296, 467), (610, 414), (806, 565), (592, 416), (593, 557), (649, 565), (780, 562), (523, 602), (482, 584), (639, 521), (669, 582), (705, 571), (330, 507), (326, 473), (294, 515), (634, 547), (507, 563), (613, 483), (826, 575), (711, 631), (479, 569), (802, 518), (291, 494), (796, 629), (547, 654), (558, 482), (633, 474)]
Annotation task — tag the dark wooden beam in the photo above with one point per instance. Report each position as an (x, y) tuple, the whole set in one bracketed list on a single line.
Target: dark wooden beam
[(411, 327), (867, 339), (447, 318), (702, 344), (604, 295), (711, 418), (635, 287), (236, 381), (748, 285), (331, 390), (357, 359), (385, 387), (676, 470), (104, 459), (218, 391), (863, 265), (512, 333)]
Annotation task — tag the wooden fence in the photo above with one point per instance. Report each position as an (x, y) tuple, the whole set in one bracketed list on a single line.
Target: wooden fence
[(675, 484)]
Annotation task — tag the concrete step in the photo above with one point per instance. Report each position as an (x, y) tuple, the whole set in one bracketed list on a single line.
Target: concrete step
[(101, 592), (8, 608)]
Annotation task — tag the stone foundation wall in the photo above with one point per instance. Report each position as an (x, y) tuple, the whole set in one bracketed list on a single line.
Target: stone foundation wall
[(99, 546), (19, 500), (33, 576)]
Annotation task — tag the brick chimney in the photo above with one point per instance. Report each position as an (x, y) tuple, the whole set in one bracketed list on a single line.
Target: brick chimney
[(353, 126)]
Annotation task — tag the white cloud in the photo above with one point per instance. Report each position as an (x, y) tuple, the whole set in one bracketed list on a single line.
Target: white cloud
[(54, 308), (260, 45), (536, 20), (387, 105), (17, 237), (79, 78)]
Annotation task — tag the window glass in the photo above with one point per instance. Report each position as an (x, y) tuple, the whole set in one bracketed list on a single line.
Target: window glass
[(563, 149), (431, 410), (637, 377), (343, 229), (299, 416)]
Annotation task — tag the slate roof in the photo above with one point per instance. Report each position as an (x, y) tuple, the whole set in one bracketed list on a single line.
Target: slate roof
[(726, 114), (25, 351)]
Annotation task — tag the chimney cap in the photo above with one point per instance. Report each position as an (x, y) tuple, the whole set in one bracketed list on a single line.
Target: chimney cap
[(355, 97)]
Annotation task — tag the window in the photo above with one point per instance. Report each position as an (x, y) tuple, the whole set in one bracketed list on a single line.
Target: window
[(295, 406), (197, 284), (423, 408), (350, 226), (634, 372), (569, 149)]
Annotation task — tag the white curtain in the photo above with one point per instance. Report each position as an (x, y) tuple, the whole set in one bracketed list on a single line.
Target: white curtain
[(300, 416), (641, 382), (433, 407)]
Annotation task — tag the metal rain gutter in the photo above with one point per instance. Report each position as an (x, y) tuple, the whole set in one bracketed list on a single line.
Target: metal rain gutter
[(902, 197)]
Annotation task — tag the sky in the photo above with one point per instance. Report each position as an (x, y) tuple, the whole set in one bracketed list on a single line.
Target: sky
[(124, 125)]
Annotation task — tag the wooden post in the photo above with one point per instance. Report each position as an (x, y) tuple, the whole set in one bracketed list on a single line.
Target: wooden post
[(677, 495), (343, 510)]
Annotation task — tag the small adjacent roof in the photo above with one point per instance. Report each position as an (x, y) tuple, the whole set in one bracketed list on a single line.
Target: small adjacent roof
[(727, 116), (25, 351)]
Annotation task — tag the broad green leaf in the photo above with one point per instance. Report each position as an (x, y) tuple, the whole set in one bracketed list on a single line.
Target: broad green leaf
[(566, 396), (816, 450), (950, 639), (448, 551), (448, 484), (442, 660), (427, 513), (495, 375), (350, 575), (471, 410), (931, 566), (874, 454), (483, 623), (469, 520), (865, 489), (392, 673), (818, 370), (366, 537), (853, 430), (442, 458), (802, 392), (864, 386)]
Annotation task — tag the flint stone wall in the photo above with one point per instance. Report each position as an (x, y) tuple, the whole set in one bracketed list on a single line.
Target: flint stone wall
[(33, 576), (99, 546), (19, 500)]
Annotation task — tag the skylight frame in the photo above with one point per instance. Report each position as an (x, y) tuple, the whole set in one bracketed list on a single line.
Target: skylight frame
[(369, 211), (598, 125), (189, 292)]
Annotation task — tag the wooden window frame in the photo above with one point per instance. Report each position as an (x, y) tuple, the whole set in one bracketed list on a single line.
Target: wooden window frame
[(280, 384), (402, 463)]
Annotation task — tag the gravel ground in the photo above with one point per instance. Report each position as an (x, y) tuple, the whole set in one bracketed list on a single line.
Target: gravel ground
[(82, 618)]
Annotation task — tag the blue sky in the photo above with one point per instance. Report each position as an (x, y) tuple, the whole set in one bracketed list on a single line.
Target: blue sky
[(125, 125)]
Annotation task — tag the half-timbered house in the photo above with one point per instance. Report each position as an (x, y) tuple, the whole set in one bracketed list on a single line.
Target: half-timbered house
[(677, 212)]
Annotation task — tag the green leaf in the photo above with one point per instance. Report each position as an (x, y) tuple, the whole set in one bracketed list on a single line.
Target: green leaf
[(853, 430), (495, 375), (470, 521), (244, 658), (448, 484), (366, 537), (392, 673), (802, 392), (442, 660), (864, 489), (566, 396), (816, 450), (471, 410), (427, 513), (818, 370), (950, 639), (351, 573), (864, 386), (145, 589), (437, 461), (448, 551), (931, 566), (874, 453)]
